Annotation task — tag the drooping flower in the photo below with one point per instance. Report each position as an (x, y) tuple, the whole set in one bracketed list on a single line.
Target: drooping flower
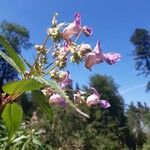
[(75, 28), (94, 99), (58, 100), (94, 57), (97, 56)]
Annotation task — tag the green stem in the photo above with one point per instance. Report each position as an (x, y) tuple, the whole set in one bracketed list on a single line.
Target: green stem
[(56, 64)]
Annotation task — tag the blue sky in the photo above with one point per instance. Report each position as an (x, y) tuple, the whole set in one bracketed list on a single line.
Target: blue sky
[(113, 22)]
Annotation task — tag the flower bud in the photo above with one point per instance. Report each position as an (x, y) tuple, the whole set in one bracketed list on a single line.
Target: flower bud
[(40, 48)]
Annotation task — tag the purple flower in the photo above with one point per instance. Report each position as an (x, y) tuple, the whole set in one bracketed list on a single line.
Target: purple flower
[(112, 58), (96, 57), (104, 104), (75, 28), (58, 100), (94, 99)]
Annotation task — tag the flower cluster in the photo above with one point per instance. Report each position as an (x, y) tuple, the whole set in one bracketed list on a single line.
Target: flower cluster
[(65, 48)]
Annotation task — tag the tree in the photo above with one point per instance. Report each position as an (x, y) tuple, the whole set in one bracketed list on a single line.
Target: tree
[(18, 37), (141, 40), (108, 124), (137, 121)]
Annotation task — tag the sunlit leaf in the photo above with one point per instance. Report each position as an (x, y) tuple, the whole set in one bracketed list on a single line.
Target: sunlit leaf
[(16, 87), (10, 61), (12, 117), (12, 54)]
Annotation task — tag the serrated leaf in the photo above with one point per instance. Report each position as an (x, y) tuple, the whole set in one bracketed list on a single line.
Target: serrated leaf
[(10, 61), (55, 86), (42, 102), (12, 54), (12, 117), (21, 86)]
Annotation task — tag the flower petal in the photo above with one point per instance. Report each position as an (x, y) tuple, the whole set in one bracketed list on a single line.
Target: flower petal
[(92, 100), (104, 104), (87, 31), (58, 100), (112, 58), (78, 19), (94, 91)]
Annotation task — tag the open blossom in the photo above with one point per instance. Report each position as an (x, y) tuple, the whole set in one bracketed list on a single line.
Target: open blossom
[(94, 99), (75, 28), (97, 56), (64, 78), (58, 100)]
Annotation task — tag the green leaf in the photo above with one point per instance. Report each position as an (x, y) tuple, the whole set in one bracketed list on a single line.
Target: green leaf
[(42, 102), (17, 87), (55, 86), (20, 138), (12, 54), (37, 142), (10, 61), (12, 116)]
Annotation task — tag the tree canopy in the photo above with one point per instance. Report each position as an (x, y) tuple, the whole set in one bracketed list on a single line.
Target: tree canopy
[(141, 40)]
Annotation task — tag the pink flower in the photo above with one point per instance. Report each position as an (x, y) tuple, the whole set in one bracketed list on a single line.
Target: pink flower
[(104, 104), (65, 80), (75, 28), (58, 100), (112, 58), (94, 99), (96, 57)]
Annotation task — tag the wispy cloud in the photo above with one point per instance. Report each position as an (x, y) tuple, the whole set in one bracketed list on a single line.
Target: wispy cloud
[(132, 88)]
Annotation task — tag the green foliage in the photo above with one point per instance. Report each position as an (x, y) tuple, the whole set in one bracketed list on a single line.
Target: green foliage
[(10, 61), (17, 87), (26, 138), (110, 123), (17, 35), (146, 145), (42, 102), (138, 123), (12, 54), (140, 39), (18, 38), (12, 116)]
